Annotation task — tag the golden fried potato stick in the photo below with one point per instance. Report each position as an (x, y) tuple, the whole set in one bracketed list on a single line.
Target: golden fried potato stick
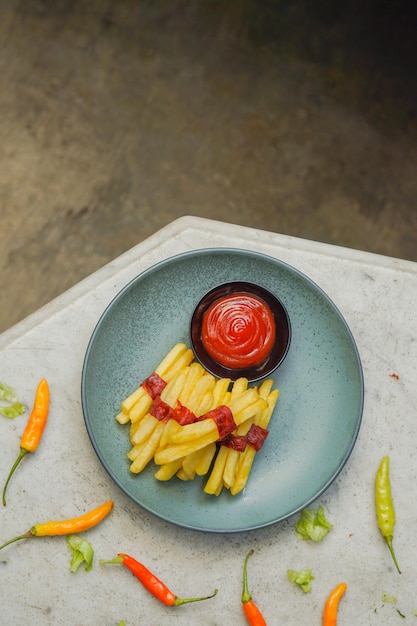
[(233, 456), (194, 372), (170, 427), (210, 434), (193, 431), (148, 451), (248, 455), (204, 385), (229, 459), (140, 409), (168, 470), (265, 388), (198, 462), (214, 484), (178, 451), (146, 435), (239, 386), (142, 430), (206, 457), (221, 393), (139, 431), (190, 461), (177, 357)]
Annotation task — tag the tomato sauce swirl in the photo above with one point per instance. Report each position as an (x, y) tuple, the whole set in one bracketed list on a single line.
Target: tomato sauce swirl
[(238, 330)]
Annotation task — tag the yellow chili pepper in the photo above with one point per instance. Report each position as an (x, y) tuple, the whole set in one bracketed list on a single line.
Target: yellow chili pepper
[(66, 527), (384, 506), (332, 605), (34, 428)]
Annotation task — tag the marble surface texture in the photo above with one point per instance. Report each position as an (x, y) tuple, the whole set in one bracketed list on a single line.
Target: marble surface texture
[(378, 298)]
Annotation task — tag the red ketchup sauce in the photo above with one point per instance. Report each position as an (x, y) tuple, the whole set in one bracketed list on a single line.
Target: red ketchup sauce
[(238, 330)]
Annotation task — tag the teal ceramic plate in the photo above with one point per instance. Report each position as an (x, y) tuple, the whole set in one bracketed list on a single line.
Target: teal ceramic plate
[(317, 417)]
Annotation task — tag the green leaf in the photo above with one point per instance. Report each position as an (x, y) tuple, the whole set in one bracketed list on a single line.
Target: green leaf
[(10, 407), (312, 525), (13, 410), (82, 551), (302, 579), (7, 393)]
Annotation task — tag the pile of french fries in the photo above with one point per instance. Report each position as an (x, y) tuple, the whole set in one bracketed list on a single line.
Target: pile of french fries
[(194, 449)]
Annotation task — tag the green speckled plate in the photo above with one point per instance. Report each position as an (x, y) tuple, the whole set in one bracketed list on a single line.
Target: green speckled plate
[(317, 417)]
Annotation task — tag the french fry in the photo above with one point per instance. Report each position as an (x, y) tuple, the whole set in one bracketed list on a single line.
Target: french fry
[(206, 457), (170, 427), (190, 461), (240, 411), (165, 365), (182, 475), (204, 385), (249, 411), (205, 404), (265, 388), (142, 431), (122, 418), (173, 388), (215, 480), (239, 386), (142, 434), (168, 470), (193, 431), (183, 360), (233, 456), (248, 455), (177, 451), (130, 401), (198, 462), (221, 393), (140, 409), (148, 451), (172, 357), (194, 373)]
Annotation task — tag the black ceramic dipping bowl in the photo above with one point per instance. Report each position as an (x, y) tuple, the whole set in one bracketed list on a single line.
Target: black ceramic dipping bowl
[(279, 348)]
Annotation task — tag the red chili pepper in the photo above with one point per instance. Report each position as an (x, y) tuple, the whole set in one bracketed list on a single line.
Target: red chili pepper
[(332, 604), (155, 586), (254, 616), (34, 428)]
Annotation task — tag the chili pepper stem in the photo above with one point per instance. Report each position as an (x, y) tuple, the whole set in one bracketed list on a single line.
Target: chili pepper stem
[(391, 549), (18, 538), (22, 453), (252, 613), (117, 560), (246, 596), (178, 601)]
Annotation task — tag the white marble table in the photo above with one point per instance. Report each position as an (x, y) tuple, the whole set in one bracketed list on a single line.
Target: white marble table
[(378, 298)]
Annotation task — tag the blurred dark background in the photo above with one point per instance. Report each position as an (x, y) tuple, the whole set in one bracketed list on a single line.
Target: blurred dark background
[(118, 117)]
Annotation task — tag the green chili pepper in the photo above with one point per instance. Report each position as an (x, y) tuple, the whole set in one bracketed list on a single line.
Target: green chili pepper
[(384, 506)]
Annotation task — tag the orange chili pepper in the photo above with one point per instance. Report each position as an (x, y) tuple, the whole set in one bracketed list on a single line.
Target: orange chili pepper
[(34, 428), (254, 616), (332, 605), (153, 584), (66, 527)]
